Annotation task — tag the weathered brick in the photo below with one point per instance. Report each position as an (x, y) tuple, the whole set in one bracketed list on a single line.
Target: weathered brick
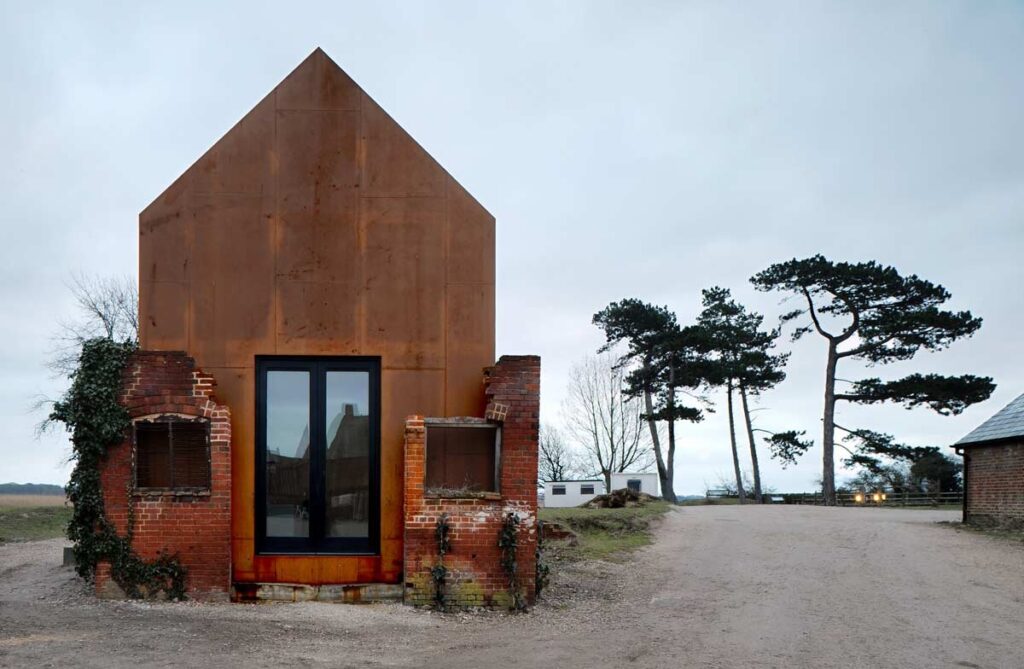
[(994, 476), (476, 576), (194, 526)]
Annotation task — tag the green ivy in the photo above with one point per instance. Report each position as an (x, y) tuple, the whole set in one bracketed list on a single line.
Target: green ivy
[(439, 573), (543, 569), (508, 541), (91, 412)]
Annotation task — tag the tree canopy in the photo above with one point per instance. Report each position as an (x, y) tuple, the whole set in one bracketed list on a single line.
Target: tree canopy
[(663, 359), (739, 357), (883, 317)]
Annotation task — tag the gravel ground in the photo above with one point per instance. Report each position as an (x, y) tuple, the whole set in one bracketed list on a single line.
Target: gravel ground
[(723, 586)]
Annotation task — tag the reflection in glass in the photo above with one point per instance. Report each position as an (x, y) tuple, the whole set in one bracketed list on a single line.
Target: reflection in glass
[(348, 454), (287, 454)]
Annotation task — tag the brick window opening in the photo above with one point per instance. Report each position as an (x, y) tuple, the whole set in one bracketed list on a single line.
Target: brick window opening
[(462, 458), (172, 454), (558, 490), (587, 489)]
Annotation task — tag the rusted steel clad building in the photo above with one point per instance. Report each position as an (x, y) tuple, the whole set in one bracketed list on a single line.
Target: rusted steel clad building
[(994, 469), (331, 279)]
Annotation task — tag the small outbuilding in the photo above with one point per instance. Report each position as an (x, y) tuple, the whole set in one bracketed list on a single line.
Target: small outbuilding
[(645, 482), (994, 469), (560, 494)]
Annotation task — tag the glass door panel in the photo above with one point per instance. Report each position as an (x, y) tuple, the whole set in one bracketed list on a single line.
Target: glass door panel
[(347, 470), (287, 454), (318, 490)]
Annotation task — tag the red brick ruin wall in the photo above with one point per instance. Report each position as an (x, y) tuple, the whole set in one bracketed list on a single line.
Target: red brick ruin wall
[(194, 525), (995, 485), (476, 577)]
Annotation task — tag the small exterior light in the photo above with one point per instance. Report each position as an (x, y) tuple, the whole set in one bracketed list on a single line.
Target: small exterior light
[(877, 497), (883, 496), (858, 498)]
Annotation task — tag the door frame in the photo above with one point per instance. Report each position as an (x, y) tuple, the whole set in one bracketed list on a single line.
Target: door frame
[(316, 543)]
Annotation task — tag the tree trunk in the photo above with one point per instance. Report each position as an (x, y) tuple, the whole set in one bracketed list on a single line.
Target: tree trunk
[(607, 476), (828, 469), (758, 494), (668, 491), (735, 453), (663, 475)]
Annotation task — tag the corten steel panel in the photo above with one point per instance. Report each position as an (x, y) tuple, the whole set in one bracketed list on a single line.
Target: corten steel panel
[(165, 227), (395, 165), (471, 238), (405, 280), (317, 225), (241, 162), (166, 315), (470, 338), (236, 387), (232, 284), (318, 318), (404, 392), (318, 196), (318, 83)]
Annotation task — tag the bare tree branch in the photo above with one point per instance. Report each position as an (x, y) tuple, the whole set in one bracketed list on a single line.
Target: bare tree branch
[(107, 307), (604, 422)]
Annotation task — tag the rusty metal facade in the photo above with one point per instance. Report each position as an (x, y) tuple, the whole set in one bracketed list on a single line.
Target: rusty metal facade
[(318, 226)]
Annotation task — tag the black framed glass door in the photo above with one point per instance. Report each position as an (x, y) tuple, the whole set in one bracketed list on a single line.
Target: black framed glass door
[(317, 455)]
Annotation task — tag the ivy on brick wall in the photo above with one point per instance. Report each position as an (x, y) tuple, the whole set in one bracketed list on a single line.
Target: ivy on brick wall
[(91, 412), (439, 572), (543, 569), (508, 542)]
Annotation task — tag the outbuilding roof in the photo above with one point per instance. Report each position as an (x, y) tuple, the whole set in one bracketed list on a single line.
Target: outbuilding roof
[(1006, 424)]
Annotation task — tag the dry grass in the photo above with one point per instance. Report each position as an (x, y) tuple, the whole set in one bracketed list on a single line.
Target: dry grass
[(606, 534), (31, 501)]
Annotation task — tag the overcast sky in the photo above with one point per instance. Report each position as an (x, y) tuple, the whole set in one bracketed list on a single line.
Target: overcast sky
[(627, 149)]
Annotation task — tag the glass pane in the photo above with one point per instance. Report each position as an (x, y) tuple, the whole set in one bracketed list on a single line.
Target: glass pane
[(348, 454), (287, 454)]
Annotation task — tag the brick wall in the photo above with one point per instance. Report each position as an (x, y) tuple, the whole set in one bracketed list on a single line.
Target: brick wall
[(476, 577), (195, 525), (995, 485)]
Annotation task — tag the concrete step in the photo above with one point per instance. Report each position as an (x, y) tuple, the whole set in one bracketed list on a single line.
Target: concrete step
[(351, 593)]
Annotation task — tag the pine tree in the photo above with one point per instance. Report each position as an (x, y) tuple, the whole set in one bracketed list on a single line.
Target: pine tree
[(884, 317)]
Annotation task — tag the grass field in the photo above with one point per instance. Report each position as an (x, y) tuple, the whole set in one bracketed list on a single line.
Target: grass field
[(606, 533), (32, 500), (712, 501), (32, 517)]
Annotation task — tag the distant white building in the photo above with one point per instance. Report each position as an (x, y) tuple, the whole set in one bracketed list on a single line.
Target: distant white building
[(573, 493), (647, 482)]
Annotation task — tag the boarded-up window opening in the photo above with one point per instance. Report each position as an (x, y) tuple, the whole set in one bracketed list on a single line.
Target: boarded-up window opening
[(558, 490), (633, 484), (587, 489), (172, 454), (462, 458)]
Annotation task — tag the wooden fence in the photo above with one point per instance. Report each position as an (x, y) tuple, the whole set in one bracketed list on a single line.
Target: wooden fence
[(880, 498)]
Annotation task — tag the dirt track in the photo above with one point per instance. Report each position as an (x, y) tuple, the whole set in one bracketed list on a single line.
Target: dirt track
[(722, 587)]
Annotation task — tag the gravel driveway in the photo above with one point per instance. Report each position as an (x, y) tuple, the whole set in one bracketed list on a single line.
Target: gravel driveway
[(722, 587)]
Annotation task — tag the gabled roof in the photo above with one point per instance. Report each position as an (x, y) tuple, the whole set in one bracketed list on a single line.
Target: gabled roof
[(1006, 424)]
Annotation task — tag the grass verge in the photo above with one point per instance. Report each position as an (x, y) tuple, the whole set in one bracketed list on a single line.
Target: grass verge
[(24, 523), (605, 534)]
